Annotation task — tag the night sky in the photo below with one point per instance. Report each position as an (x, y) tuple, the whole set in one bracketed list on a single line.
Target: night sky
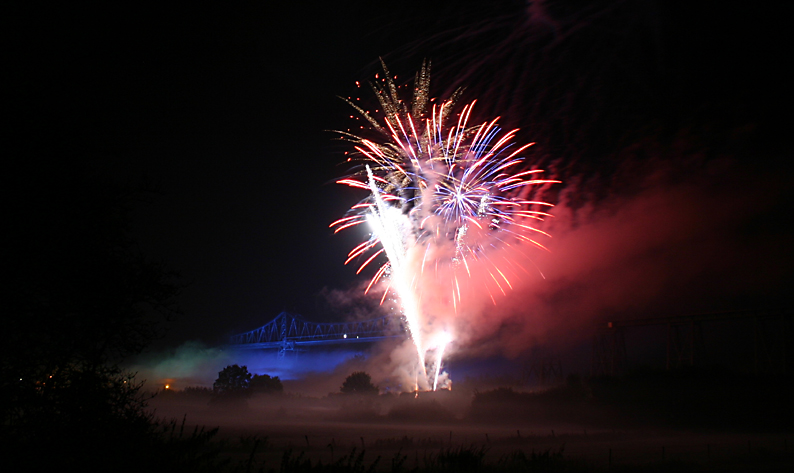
[(226, 110)]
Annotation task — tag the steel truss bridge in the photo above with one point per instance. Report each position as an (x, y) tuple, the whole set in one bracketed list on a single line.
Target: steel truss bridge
[(289, 332)]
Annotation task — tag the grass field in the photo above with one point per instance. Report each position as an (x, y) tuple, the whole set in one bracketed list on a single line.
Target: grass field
[(440, 432)]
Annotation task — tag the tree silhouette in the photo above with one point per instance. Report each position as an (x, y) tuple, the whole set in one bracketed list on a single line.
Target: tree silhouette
[(82, 298), (232, 385), (265, 384), (233, 378), (359, 382)]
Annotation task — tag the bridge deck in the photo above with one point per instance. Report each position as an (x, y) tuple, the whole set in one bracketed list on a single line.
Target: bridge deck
[(287, 331)]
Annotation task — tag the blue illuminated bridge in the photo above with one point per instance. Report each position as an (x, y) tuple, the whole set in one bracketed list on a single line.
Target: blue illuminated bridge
[(289, 332)]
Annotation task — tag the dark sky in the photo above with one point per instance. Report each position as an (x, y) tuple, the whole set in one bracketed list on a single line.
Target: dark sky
[(225, 111)]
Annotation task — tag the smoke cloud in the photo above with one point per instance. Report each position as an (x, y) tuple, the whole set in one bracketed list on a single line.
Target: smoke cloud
[(311, 372), (674, 246), (671, 243)]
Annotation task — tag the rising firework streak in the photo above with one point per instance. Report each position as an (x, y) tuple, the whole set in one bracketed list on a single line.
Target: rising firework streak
[(451, 206)]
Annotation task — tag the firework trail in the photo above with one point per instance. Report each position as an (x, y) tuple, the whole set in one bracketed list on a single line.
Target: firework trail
[(452, 206)]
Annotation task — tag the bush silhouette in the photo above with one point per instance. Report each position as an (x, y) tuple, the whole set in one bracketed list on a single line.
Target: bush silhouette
[(359, 382), (83, 298), (266, 384), (232, 384)]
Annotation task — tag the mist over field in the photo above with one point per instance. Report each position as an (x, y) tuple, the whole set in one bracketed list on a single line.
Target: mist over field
[(170, 183)]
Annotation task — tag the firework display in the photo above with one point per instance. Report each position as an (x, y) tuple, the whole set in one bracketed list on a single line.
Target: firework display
[(453, 210)]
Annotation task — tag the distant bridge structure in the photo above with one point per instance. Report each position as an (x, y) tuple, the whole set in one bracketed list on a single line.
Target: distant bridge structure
[(288, 332)]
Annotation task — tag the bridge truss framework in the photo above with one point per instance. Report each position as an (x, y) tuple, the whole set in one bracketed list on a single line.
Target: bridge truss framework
[(287, 332)]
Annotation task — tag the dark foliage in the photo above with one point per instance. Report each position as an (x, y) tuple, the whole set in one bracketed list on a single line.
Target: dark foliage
[(81, 299), (699, 397), (266, 384), (232, 385), (82, 291), (460, 459), (232, 378), (688, 397), (359, 382), (547, 460), (196, 392), (571, 401), (351, 463)]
